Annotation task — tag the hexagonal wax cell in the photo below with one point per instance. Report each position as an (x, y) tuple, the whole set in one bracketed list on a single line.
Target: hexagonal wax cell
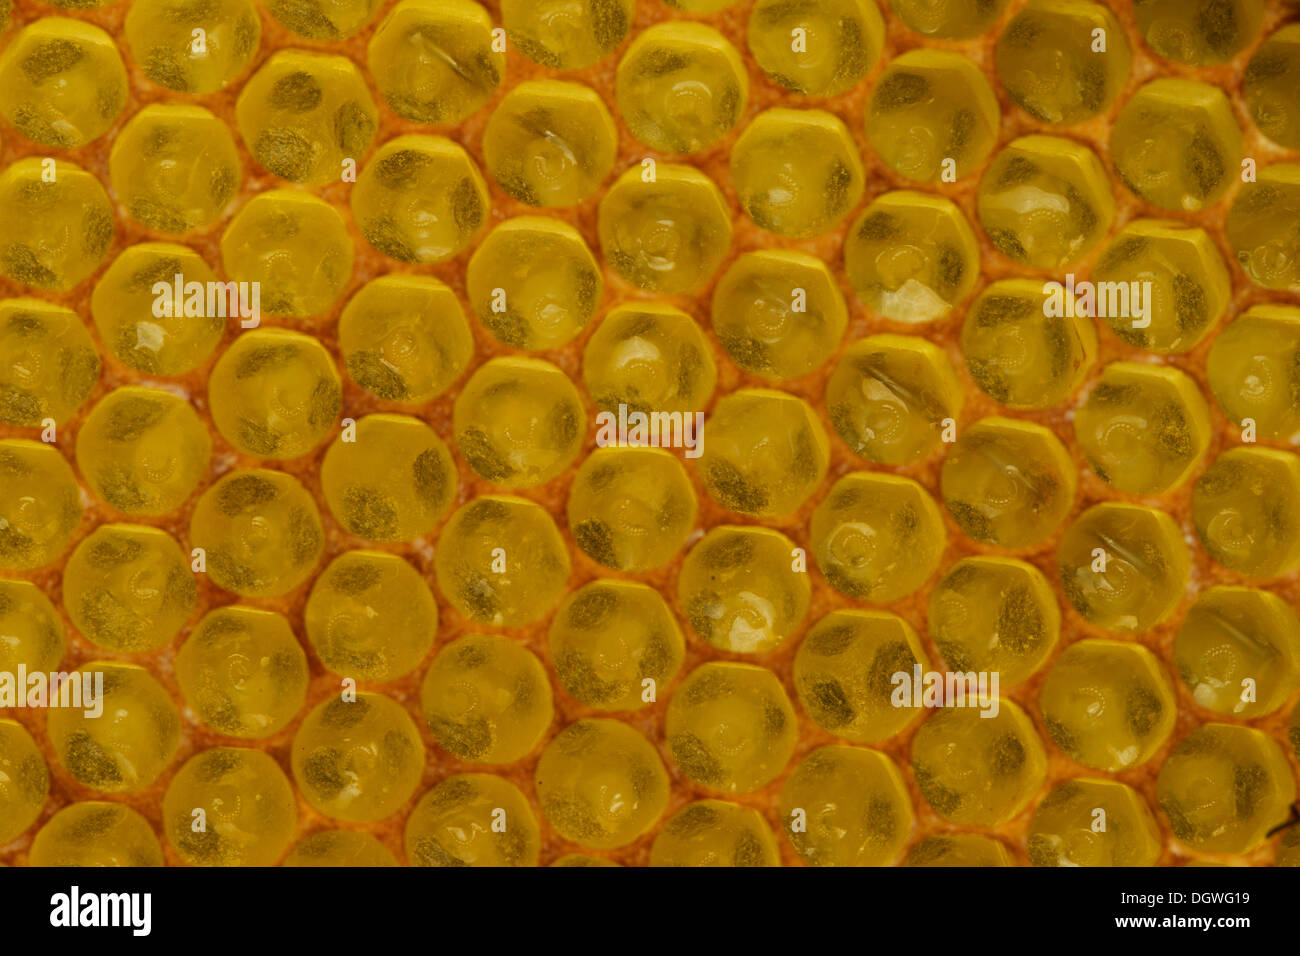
[(1123, 567), (1108, 704), (1045, 201), (890, 396), (1224, 787), (303, 114), (932, 111), (681, 87), (1263, 227), (1143, 428), (1174, 281), (1049, 65), (1246, 508), (766, 452), (1020, 351), (797, 172), (1254, 370), (911, 256), (1176, 143)]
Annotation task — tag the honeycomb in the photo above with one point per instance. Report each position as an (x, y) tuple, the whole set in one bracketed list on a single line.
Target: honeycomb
[(431, 601)]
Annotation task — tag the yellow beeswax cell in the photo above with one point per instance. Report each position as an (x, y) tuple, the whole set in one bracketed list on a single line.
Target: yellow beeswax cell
[(601, 784), (324, 19), (567, 34), (518, 422), (128, 588), (501, 561), (1246, 508), (260, 532), (1123, 567), (911, 256), (844, 674), (434, 60), (243, 672), (846, 806), (890, 396), (370, 616), (1198, 32), (631, 509), (95, 834), (48, 364), (1086, 822), (578, 859), (1108, 704), (651, 358), (62, 82), (473, 819), (975, 769), (1224, 787), (797, 172), (1048, 65), (124, 740), (1143, 427), (1161, 285), (1176, 144), (303, 115), (143, 450), (340, 848), (420, 199), (1254, 371), (730, 727), (174, 168), (1045, 201), (1238, 651), (1008, 482), (681, 87), (393, 482), (248, 805), (55, 234), (358, 760), (274, 393), (40, 504), (549, 143), (1263, 227), (24, 780), (877, 537), (533, 282), (293, 248), (160, 34), (31, 631), (614, 644), (949, 19), (958, 849), (667, 235), (742, 589), (840, 42), (405, 338), (486, 699), (778, 314), (994, 614), (767, 452), (126, 308), (1272, 87), (932, 112), (1021, 350), (715, 833)]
